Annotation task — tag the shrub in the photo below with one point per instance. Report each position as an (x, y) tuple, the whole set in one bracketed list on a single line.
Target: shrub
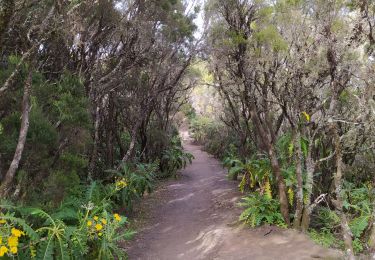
[(261, 209), (132, 181), (324, 237), (74, 231), (174, 158)]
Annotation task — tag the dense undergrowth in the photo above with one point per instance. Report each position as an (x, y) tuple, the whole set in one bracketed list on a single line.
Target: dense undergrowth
[(88, 221)]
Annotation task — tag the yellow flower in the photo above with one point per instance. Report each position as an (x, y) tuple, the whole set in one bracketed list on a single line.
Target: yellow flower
[(104, 221), (13, 250), (17, 232), (96, 218), (100, 234), (98, 227), (117, 217), (3, 250), (307, 116), (13, 241), (3, 221), (121, 184), (89, 223)]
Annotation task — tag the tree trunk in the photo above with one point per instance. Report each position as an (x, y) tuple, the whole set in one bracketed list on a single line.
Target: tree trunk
[(266, 139), (130, 151), (284, 207), (338, 203), (299, 196), (27, 55), (310, 169), (94, 153), (9, 82), (9, 177)]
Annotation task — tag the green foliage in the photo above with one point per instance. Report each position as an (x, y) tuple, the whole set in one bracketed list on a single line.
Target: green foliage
[(174, 158), (214, 136), (71, 102), (260, 209), (256, 173), (199, 128), (325, 218), (358, 206), (89, 232), (269, 36), (132, 181), (324, 238), (188, 110)]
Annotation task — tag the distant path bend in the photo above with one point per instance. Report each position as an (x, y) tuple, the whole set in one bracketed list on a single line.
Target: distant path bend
[(194, 218)]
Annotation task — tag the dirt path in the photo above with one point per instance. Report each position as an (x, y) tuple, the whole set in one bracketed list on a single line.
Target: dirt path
[(195, 217)]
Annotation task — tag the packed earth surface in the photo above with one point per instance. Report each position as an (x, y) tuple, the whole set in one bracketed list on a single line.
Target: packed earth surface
[(196, 217)]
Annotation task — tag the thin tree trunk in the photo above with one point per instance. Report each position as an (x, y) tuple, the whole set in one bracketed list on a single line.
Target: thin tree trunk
[(345, 229), (11, 79), (9, 177), (94, 153), (130, 151), (284, 207), (299, 195), (26, 56), (266, 139), (310, 168)]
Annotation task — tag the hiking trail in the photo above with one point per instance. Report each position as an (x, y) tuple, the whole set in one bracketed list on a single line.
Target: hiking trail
[(196, 217)]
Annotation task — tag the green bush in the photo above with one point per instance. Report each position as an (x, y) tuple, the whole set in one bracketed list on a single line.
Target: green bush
[(132, 181), (84, 232), (324, 237), (260, 209), (174, 158)]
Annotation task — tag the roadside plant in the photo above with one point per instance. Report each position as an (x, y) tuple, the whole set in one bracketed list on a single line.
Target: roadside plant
[(260, 209)]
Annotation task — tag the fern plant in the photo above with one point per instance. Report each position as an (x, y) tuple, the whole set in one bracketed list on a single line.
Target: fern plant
[(256, 172), (175, 158), (260, 209), (132, 181)]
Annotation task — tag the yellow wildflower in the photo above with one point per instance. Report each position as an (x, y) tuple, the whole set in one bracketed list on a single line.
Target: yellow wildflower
[(3, 221), (89, 223), (104, 221), (117, 217), (96, 218), (3, 250), (121, 184), (98, 227), (17, 232), (13, 250), (13, 241), (307, 116)]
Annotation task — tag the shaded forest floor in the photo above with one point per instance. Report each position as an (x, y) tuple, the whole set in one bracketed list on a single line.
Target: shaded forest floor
[(195, 217)]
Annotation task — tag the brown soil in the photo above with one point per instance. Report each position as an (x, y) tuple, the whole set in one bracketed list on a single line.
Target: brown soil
[(195, 217)]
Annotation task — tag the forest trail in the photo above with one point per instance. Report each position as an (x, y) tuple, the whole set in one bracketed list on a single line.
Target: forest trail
[(195, 217)]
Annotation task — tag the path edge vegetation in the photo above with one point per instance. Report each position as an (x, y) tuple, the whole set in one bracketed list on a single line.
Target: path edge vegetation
[(89, 91), (290, 97), (92, 93)]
